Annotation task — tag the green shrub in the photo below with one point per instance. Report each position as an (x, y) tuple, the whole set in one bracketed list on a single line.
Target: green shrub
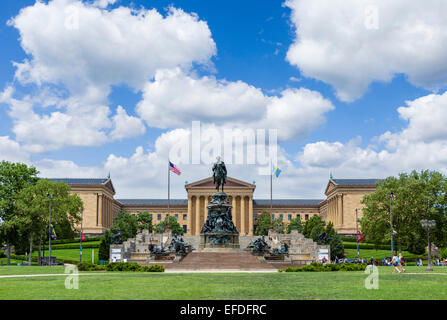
[(132, 266), (88, 266), (318, 267), (153, 268)]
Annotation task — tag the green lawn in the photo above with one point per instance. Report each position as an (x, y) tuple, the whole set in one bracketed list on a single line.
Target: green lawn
[(379, 254), (310, 285), (72, 254)]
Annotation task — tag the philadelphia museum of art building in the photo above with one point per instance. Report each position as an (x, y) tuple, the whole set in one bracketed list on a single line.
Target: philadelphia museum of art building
[(343, 197)]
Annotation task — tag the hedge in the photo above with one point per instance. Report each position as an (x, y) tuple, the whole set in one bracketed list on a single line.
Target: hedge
[(69, 246), (61, 241), (36, 259), (133, 266), (370, 246), (318, 267), (120, 266)]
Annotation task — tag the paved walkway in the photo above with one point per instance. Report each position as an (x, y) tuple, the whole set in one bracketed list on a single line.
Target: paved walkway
[(117, 273)]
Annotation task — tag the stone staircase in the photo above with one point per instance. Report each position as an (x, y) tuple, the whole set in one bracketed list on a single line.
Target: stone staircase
[(237, 260)]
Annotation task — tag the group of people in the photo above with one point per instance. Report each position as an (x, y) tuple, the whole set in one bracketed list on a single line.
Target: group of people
[(435, 262)]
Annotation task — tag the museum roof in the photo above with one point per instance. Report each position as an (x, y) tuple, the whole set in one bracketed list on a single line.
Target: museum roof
[(153, 202), (86, 181), (287, 202), (82, 181), (184, 202), (363, 182)]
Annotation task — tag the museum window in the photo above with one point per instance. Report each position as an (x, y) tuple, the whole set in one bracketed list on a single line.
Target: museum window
[(289, 217), (298, 216), (306, 217), (255, 216), (273, 216), (185, 228), (176, 217), (185, 216), (159, 216), (280, 217)]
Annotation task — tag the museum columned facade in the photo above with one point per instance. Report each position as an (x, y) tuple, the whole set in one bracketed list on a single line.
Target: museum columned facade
[(343, 197)]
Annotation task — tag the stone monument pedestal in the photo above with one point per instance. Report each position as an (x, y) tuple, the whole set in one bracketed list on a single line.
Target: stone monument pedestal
[(219, 232), (219, 240)]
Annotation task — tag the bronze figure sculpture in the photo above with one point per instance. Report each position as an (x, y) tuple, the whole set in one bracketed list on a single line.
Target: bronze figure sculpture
[(219, 174)]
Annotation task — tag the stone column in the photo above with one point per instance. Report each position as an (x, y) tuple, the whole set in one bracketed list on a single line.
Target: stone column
[(205, 213), (188, 217), (250, 216), (242, 215), (100, 210), (233, 210), (340, 209), (197, 215)]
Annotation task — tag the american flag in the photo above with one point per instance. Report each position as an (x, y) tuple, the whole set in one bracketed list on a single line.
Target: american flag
[(174, 169)]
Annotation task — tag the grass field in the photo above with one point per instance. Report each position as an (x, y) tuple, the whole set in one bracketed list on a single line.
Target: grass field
[(380, 254), (72, 254), (309, 285)]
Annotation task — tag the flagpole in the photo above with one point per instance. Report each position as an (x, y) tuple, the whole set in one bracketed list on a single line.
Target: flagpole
[(169, 195), (271, 195)]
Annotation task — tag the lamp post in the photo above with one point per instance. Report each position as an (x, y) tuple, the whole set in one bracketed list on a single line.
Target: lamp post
[(391, 224), (427, 225), (357, 229), (80, 240), (50, 229)]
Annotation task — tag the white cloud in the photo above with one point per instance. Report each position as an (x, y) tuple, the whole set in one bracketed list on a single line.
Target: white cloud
[(10, 150), (422, 144), (49, 168), (76, 51), (83, 124), (79, 44), (340, 42), (126, 126), (174, 99)]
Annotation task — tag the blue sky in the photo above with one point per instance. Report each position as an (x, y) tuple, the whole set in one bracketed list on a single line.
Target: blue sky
[(255, 44)]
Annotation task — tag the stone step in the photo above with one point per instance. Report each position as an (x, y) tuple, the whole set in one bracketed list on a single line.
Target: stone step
[(220, 260)]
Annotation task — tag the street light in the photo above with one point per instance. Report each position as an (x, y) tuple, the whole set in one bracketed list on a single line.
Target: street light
[(80, 243), (357, 229), (391, 223), (427, 225), (49, 228)]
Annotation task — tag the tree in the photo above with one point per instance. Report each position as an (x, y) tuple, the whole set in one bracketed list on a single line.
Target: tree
[(13, 178), (337, 247), (278, 226), (417, 196), (330, 231), (263, 225), (173, 224), (104, 246), (31, 211), (314, 227), (144, 221), (127, 224), (295, 224)]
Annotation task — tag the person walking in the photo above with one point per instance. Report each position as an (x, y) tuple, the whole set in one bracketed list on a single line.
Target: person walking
[(395, 263)]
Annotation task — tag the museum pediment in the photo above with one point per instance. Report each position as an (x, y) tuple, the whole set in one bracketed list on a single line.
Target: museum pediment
[(231, 183)]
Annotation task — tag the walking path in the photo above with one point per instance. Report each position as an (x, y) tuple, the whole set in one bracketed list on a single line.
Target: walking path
[(117, 273)]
